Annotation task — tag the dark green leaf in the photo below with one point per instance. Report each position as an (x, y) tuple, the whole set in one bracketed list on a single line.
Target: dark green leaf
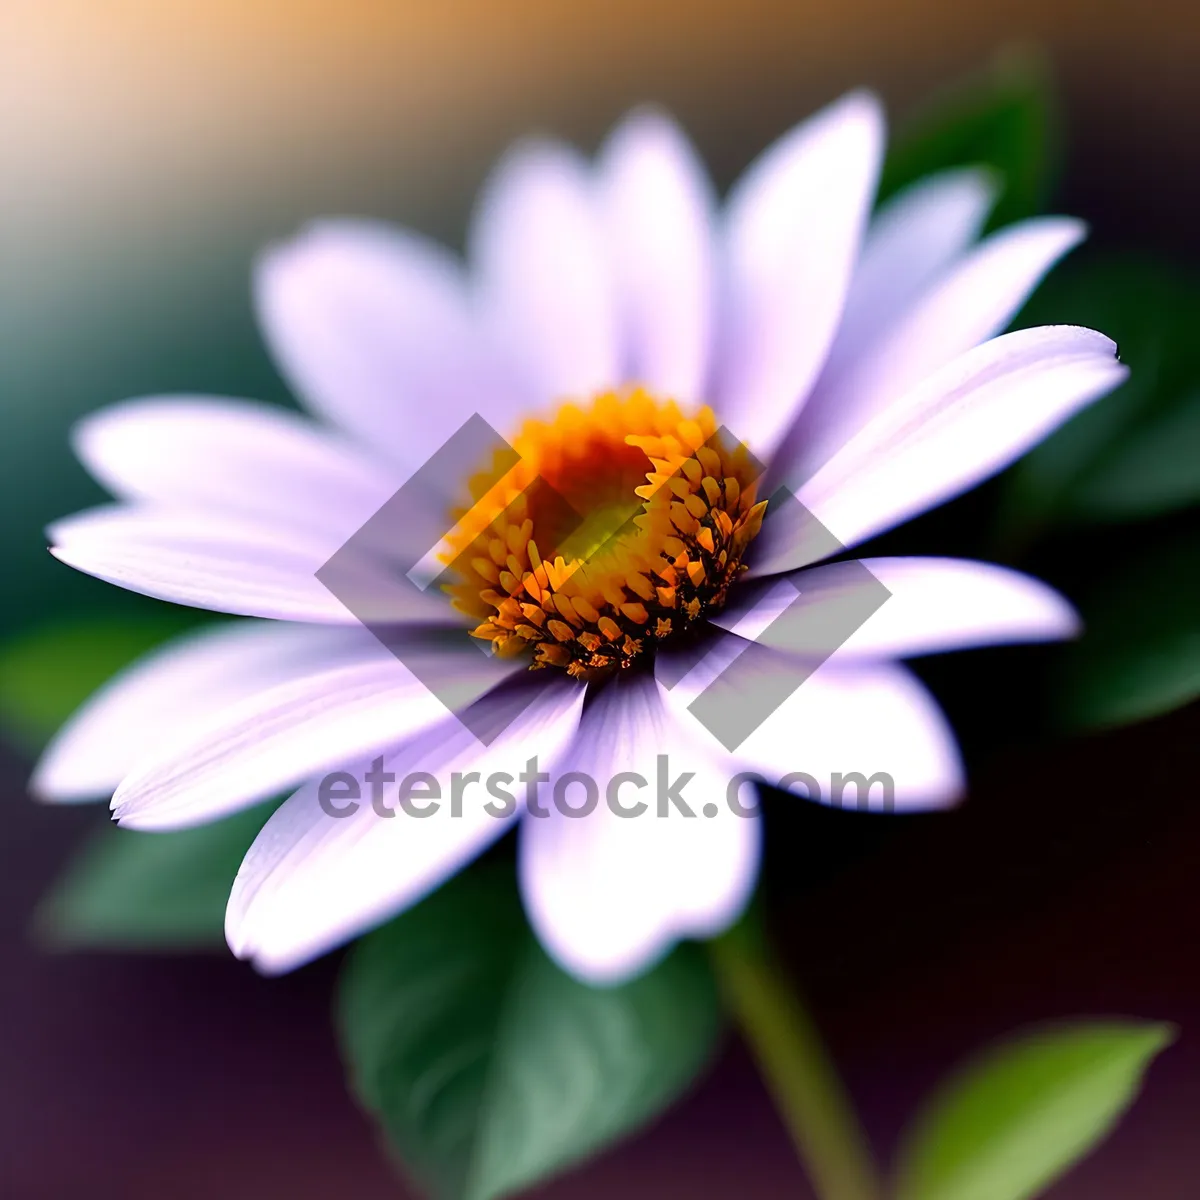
[(489, 1067), (46, 674), (1154, 471), (1017, 1119), (129, 890), (1133, 453), (1003, 118), (1140, 653)]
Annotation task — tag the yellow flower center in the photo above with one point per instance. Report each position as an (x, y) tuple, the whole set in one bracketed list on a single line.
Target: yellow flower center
[(621, 525)]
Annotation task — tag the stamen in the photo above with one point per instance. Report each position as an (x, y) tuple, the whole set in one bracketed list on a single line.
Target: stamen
[(641, 533)]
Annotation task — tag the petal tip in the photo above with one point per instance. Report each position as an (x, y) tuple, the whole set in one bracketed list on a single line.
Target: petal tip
[(52, 782)]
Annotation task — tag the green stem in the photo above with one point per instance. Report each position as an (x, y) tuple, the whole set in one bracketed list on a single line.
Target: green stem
[(798, 1072)]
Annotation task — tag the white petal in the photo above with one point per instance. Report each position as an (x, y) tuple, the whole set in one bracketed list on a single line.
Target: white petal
[(234, 457), (974, 301), (608, 895), (795, 222), (961, 425), (545, 273), (274, 738), (122, 521), (233, 565), (183, 682), (934, 604), (372, 328), (659, 206), (311, 880), (868, 720), (913, 238)]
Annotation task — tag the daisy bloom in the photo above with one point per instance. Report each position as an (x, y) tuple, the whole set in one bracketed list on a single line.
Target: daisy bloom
[(721, 394)]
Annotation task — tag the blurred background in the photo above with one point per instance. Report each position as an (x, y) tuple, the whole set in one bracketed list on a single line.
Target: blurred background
[(148, 149)]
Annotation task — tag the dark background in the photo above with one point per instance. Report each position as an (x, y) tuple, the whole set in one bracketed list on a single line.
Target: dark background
[(146, 150)]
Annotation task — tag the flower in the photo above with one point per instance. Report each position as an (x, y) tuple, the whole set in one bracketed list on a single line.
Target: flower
[(606, 306)]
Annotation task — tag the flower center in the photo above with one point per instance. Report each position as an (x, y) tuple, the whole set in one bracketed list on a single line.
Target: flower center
[(620, 526)]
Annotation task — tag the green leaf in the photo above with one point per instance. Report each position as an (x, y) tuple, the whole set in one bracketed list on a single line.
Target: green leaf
[(1153, 471), (1133, 453), (1003, 118), (48, 673), (129, 890), (488, 1067), (1018, 1118), (1140, 653)]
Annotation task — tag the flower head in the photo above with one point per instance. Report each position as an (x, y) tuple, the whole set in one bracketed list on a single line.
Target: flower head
[(697, 403), (648, 514)]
